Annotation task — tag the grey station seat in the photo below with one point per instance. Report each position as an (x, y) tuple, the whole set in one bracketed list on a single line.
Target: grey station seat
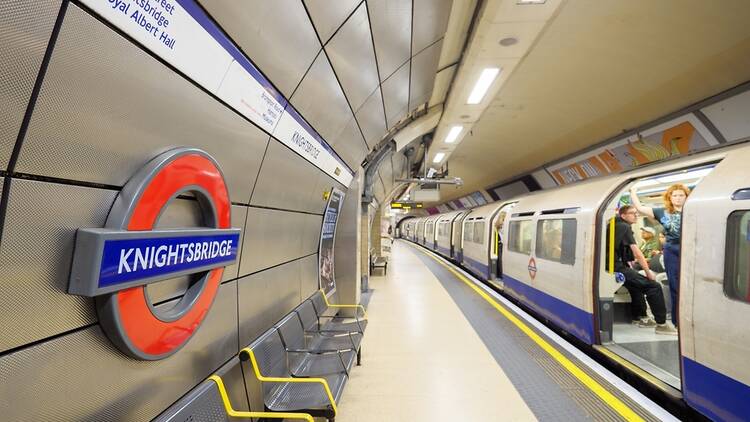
[(295, 338), (334, 322), (311, 322), (286, 391), (308, 361), (210, 402)]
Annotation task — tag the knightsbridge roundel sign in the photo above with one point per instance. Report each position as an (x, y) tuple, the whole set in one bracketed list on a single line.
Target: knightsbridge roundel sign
[(115, 263)]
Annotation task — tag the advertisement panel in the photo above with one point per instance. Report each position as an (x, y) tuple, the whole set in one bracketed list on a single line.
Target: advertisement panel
[(327, 278)]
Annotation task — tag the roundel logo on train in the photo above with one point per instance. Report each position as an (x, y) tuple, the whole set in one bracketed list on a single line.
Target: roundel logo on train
[(114, 264), (532, 267)]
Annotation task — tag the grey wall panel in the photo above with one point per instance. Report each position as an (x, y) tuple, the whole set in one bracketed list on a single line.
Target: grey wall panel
[(273, 237), (308, 276), (106, 108), (328, 15), (186, 213), (256, 29), (81, 376), (396, 95), (287, 181), (35, 257), (265, 297), (319, 98), (391, 31), (371, 118), (353, 57), (350, 145), (423, 68), (25, 29), (398, 163), (430, 21)]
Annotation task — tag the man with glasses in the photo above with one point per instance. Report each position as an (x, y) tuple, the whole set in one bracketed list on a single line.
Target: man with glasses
[(626, 252)]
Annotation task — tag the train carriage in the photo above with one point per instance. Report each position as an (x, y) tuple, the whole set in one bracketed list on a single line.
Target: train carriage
[(550, 253)]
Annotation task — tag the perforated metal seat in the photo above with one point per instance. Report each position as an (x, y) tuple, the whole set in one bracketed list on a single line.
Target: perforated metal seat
[(295, 338), (334, 322), (274, 361), (305, 360), (311, 322)]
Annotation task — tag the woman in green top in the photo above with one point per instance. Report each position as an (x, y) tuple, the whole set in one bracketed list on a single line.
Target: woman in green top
[(670, 216)]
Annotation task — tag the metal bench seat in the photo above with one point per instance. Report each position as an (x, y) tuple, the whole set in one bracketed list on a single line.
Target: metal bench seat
[(286, 397), (311, 322), (338, 323), (296, 339), (283, 390)]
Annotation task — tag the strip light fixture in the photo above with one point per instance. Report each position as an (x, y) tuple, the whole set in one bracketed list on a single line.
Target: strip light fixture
[(453, 134), (483, 85), (438, 157)]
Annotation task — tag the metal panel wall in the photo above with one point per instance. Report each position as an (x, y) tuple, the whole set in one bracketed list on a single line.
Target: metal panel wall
[(371, 117), (391, 32), (274, 237), (423, 74), (287, 181), (350, 144), (35, 257), (106, 108), (25, 29), (396, 95), (328, 16), (265, 297), (319, 98), (256, 29), (433, 19), (38, 381), (308, 267), (352, 55)]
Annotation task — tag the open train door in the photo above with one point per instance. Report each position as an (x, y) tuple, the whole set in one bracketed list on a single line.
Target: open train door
[(499, 232)]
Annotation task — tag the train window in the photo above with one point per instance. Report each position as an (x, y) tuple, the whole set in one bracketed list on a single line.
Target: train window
[(521, 234), (556, 240), (468, 231), (479, 232), (737, 265)]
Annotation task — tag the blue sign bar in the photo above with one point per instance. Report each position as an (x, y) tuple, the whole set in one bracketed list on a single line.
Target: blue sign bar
[(126, 260)]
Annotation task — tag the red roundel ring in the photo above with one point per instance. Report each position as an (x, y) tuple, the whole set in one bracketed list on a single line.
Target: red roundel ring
[(127, 316)]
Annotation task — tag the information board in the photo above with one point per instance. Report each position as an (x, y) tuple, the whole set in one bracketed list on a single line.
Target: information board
[(327, 277)]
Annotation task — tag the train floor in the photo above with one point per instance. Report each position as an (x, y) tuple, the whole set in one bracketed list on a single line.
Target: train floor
[(442, 347)]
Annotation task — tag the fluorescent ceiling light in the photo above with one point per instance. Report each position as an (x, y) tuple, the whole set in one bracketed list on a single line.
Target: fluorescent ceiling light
[(438, 157), (453, 134), (483, 84)]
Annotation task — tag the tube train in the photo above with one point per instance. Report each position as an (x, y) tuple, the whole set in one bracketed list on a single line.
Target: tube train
[(548, 250)]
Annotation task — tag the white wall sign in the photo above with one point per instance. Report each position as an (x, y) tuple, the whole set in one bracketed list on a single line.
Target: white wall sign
[(181, 33)]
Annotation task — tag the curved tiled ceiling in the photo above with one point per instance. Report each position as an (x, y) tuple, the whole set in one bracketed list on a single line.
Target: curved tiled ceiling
[(354, 69)]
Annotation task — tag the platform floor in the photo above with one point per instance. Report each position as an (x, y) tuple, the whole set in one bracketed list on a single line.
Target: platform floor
[(435, 349)]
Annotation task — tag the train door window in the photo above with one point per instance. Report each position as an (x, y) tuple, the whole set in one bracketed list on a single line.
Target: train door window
[(479, 232), (521, 234), (469, 231), (556, 240), (737, 265)]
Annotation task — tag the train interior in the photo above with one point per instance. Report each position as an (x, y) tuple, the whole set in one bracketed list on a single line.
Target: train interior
[(654, 353)]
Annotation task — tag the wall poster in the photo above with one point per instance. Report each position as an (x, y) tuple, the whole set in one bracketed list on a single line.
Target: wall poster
[(326, 277)]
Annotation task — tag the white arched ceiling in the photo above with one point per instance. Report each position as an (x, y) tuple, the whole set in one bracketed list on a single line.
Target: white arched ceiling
[(354, 69), (583, 73)]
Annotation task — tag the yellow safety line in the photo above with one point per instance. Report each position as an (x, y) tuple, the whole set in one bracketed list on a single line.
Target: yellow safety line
[(263, 378), (584, 378), (330, 305), (612, 245), (243, 414)]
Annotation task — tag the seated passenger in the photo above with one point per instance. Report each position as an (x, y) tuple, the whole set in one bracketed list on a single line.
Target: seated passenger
[(626, 251), (650, 246)]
